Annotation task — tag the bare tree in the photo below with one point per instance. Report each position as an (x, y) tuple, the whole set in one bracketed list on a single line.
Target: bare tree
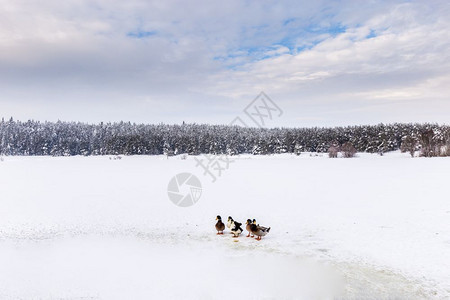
[(348, 150), (428, 145), (409, 144), (333, 150)]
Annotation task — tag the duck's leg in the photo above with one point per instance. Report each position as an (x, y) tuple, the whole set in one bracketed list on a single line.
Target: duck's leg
[(248, 235)]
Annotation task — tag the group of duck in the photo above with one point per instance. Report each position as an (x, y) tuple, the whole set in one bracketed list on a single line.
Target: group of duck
[(236, 229)]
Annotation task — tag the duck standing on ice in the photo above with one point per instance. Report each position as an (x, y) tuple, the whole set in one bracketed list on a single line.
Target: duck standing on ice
[(262, 227), (259, 231), (230, 222), (248, 227), (220, 226), (236, 229)]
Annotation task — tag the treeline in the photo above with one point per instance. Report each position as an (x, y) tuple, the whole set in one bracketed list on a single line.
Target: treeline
[(71, 138)]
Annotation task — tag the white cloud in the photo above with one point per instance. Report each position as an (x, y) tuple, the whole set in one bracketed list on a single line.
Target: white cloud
[(408, 53), (58, 57)]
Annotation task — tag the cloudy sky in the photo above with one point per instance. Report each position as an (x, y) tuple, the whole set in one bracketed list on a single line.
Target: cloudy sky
[(323, 63)]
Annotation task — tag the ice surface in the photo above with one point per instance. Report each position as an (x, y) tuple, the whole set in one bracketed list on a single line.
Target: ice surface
[(94, 228)]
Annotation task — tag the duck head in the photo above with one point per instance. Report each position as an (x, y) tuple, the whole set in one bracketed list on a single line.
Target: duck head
[(219, 218)]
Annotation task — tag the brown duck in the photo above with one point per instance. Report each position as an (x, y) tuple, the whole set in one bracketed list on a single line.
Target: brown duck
[(247, 227), (220, 226), (257, 230)]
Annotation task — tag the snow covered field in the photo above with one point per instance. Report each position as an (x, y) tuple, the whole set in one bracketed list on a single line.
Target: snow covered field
[(93, 228)]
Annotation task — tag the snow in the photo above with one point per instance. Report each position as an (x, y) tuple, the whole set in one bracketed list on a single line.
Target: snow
[(94, 228)]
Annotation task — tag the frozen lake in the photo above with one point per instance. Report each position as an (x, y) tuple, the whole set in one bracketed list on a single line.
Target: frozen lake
[(95, 228)]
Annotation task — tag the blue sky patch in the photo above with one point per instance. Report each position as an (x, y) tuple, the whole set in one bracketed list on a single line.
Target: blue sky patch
[(295, 38), (372, 34), (140, 34)]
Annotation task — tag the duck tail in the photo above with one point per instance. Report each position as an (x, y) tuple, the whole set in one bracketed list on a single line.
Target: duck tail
[(268, 229)]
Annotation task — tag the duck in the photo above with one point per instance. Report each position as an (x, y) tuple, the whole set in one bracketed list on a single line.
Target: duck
[(247, 227), (262, 227), (220, 226), (259, 231), (230, 222), (236, 229)]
